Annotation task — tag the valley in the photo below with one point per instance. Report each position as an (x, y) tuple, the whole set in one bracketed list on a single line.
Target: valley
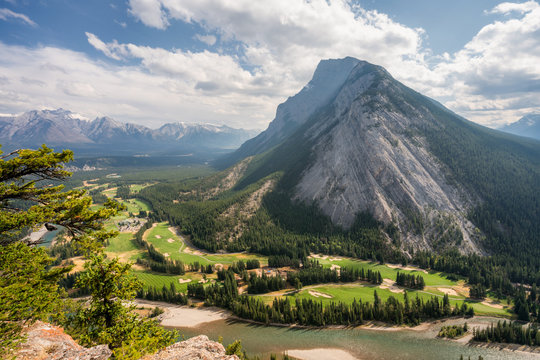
[(175, 245)]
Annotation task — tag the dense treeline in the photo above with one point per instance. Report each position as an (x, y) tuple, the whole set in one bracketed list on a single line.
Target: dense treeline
[(527, 306), (263, 284), (477, 291), (166, 294), (490, 273), (309, 312), (314, 273), (283, 261), (175, 267), (123, 191), (508, 332), (410, 281)]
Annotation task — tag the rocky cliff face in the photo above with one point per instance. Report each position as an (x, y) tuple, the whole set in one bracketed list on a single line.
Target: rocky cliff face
[(365, 159), (360, 142), (49, 342)]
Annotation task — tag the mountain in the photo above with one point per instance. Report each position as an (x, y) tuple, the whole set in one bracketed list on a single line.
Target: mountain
[(528, 126), (367, 144), (63, 128), (327, 80)]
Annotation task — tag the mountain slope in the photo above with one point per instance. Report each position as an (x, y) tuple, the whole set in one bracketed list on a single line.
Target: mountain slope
[(381, 148), (528, 126)]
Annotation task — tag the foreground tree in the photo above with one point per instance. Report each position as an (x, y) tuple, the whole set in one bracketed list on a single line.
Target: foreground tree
[(30, 197), (109, 318)]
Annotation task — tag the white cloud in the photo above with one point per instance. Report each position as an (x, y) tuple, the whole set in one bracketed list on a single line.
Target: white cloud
[(508, 7), (6, 14), (207, 39), (149, 12), (494, 79), (29, 80)]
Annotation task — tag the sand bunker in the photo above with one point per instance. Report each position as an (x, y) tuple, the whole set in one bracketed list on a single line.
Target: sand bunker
[(493, 305), (158, 237), (318, 294), (169, 240), (448, 291), (389, 284), (183, 281), (166, 254), (408, 268), (320, 354)]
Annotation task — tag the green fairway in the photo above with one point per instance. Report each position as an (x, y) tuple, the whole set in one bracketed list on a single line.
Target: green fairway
[(348, 292), (122, 243), (431, 278), (171, 244), (150, 278)]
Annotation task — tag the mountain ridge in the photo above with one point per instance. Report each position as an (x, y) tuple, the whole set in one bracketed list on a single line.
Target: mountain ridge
[(527, 126), (62, 127)]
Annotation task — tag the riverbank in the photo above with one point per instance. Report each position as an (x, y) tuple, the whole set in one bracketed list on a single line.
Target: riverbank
[(183, 316), (186, 317)]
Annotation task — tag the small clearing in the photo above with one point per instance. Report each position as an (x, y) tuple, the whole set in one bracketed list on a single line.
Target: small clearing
[(319, 294), (448, 291), (244, 211), (390, 285)]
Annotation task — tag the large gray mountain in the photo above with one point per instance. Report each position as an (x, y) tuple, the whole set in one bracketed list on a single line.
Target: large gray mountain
[(323, 87), (63, 128), (528, 126), (356, 141)]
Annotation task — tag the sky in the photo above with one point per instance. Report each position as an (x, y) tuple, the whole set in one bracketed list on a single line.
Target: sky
[(233, 61)]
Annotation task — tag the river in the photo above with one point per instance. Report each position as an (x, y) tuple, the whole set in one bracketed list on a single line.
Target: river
[(361, 343)]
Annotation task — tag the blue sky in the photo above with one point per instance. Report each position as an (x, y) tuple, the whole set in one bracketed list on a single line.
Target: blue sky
[(156, 61)]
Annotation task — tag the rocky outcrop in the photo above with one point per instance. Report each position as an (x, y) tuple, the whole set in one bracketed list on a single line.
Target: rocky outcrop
[(49, 342), (196, 348)]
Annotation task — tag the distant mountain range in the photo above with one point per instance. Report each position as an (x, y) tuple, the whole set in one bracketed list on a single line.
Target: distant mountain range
[(104, 135), (528, 126)]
